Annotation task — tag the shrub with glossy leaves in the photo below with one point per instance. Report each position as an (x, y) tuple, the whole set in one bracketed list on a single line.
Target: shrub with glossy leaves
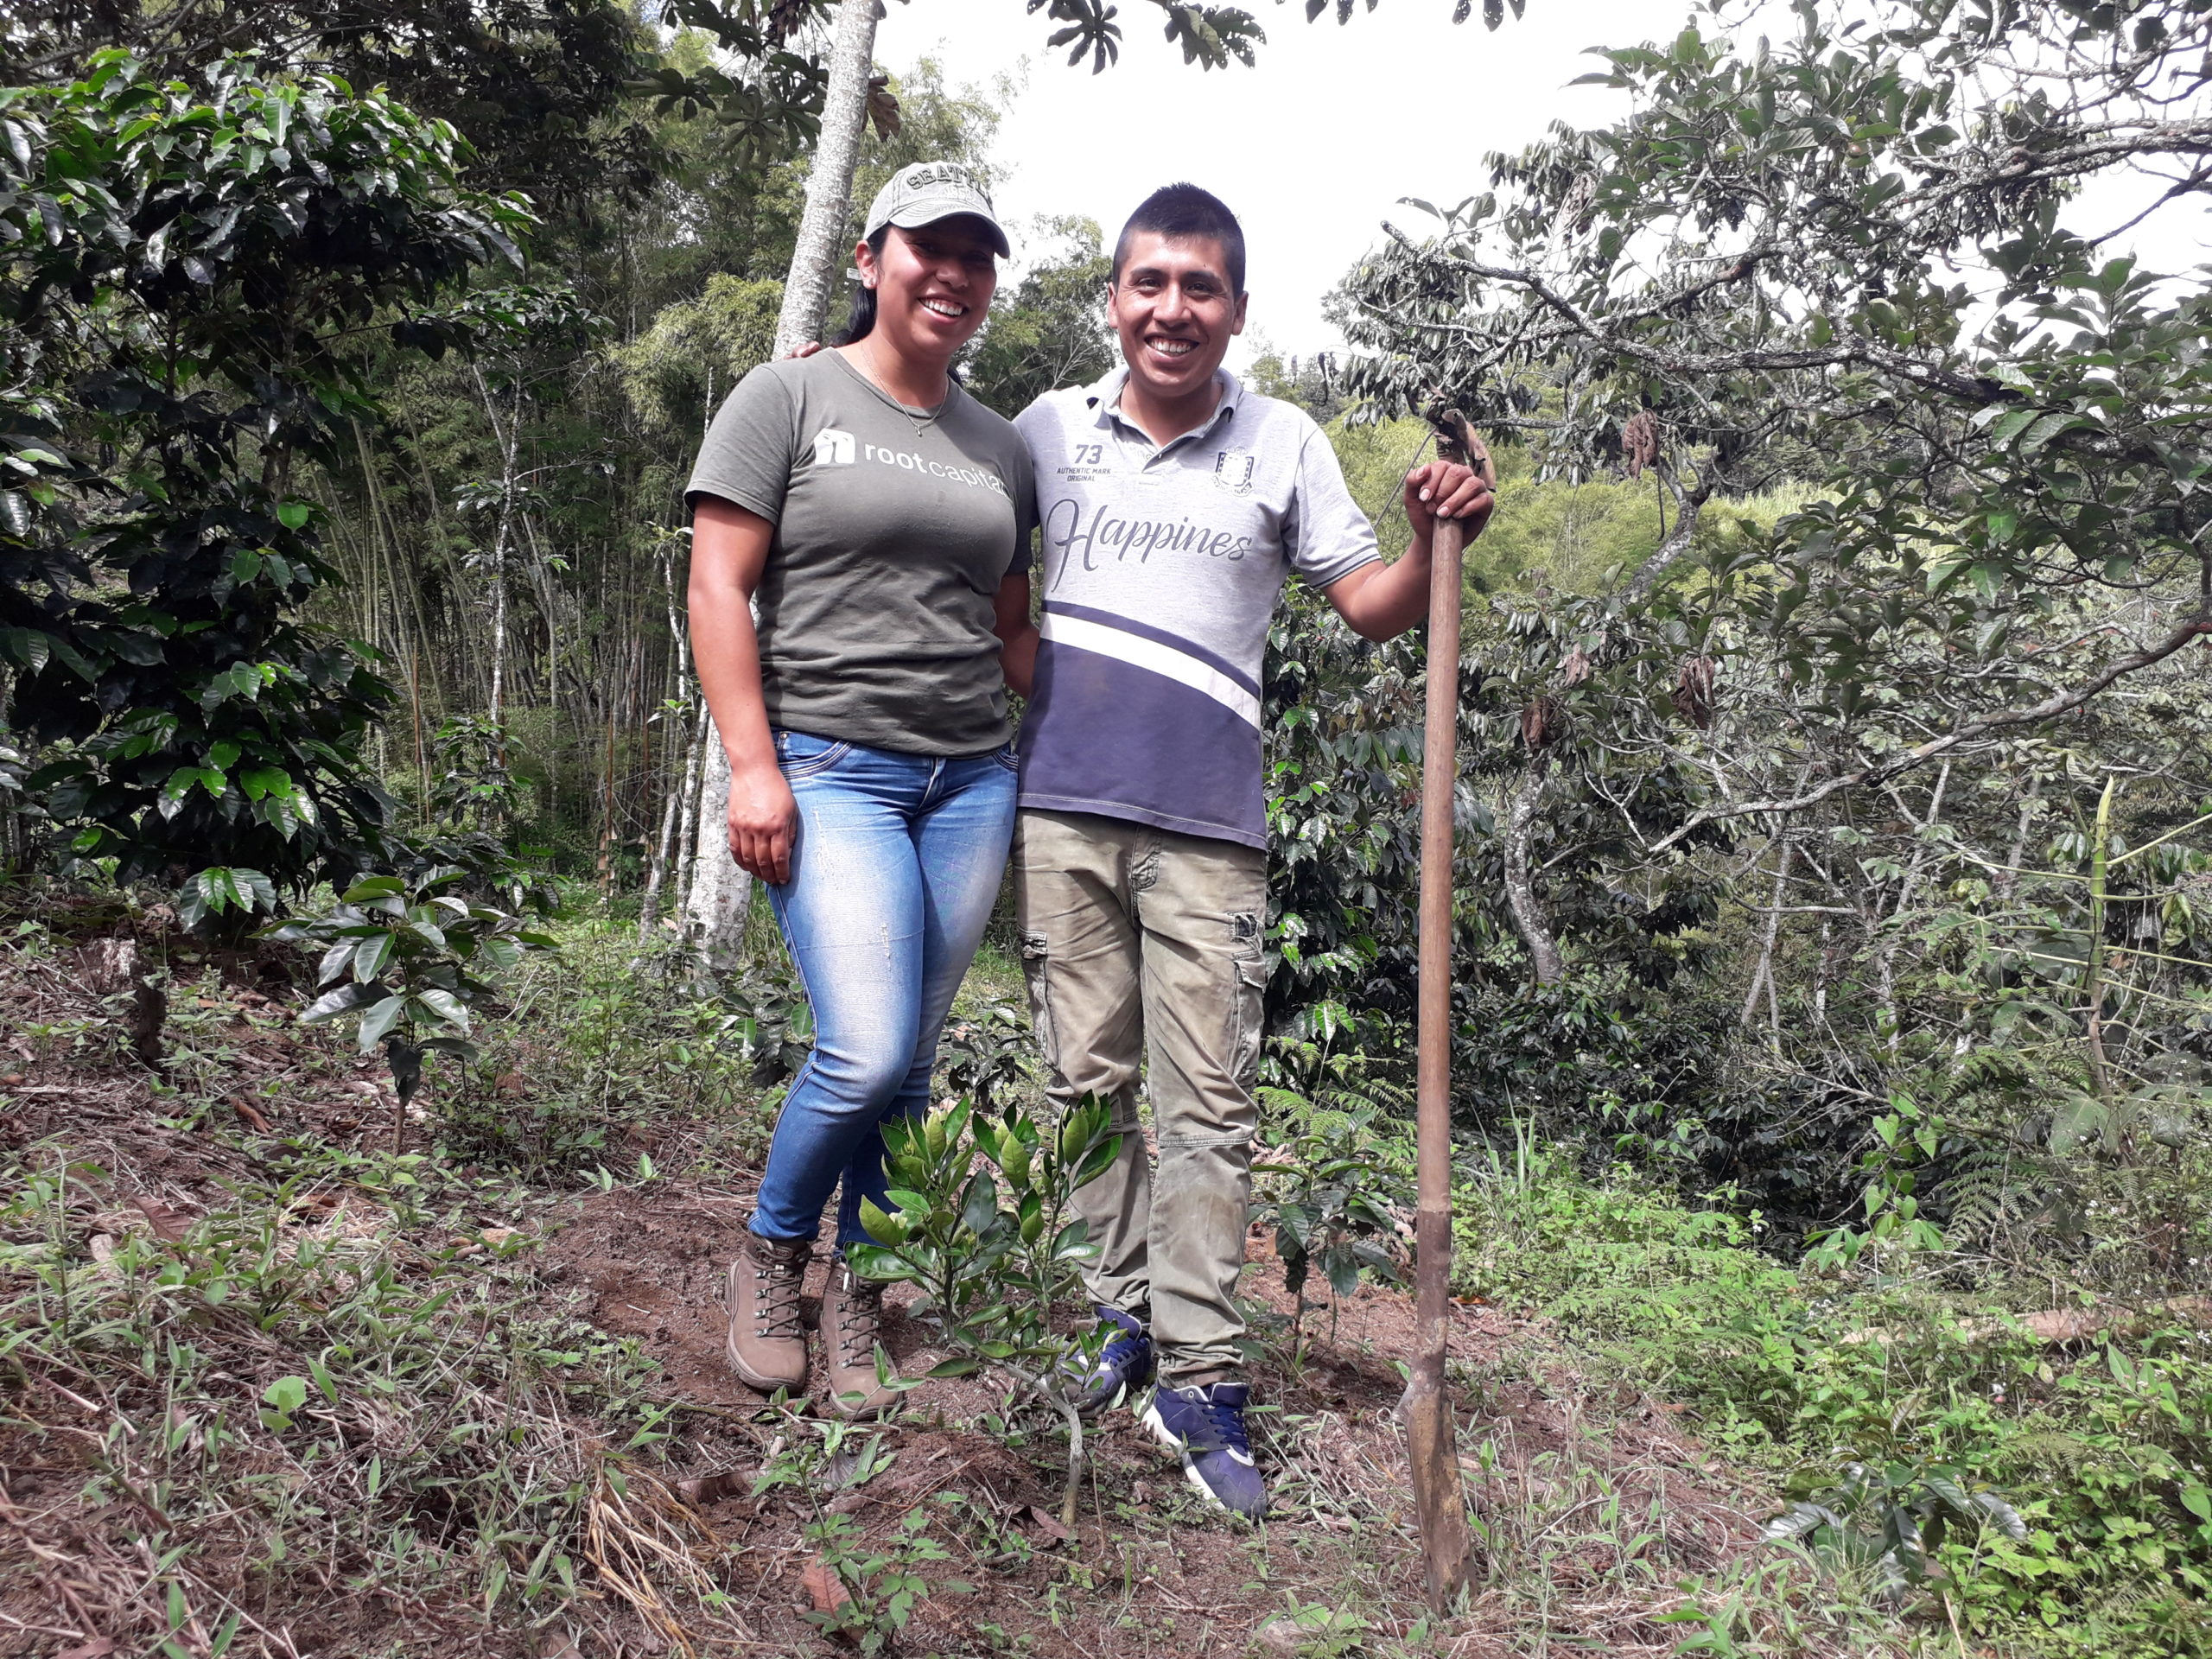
[(409, 960), (991, 1260), (188, 274)]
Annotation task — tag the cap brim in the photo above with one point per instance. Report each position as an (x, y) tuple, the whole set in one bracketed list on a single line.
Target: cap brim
[(913, 216)]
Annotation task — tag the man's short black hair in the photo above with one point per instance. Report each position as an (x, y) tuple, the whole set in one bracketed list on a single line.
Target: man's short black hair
[(1183, 212)]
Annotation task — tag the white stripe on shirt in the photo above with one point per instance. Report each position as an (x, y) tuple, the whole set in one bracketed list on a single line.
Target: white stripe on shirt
[(1141, 652)]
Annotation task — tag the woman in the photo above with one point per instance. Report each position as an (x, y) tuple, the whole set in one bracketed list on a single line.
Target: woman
[(871, 509)]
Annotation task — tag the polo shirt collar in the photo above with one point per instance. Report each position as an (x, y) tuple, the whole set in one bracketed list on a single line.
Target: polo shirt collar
[(1103, 399)]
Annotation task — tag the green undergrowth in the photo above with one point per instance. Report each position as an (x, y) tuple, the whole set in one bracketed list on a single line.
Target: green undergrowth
[(338, 1382), (606, 1054), (1914, 1413)]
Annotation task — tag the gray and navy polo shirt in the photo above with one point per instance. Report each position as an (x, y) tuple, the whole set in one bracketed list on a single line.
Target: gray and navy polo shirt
[(1161, 567)]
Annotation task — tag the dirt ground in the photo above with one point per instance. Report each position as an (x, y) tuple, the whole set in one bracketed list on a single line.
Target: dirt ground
[(1590, 1509), (1166, 1574)]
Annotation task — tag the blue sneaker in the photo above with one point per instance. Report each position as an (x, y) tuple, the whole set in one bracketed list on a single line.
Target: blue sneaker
[(1206, 1426), (1124, 1366)]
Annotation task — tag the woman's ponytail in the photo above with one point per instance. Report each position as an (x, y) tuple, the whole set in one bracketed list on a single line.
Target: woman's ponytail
[(861, 322)]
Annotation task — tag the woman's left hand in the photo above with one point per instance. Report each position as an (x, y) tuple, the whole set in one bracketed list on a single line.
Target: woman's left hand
[(763, 823)]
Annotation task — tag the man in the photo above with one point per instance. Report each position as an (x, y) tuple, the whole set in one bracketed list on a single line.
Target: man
[(1173, 503)]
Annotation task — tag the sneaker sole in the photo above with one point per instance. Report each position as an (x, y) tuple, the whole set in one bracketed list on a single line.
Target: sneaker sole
[(1173, 1442), (746, 1374)]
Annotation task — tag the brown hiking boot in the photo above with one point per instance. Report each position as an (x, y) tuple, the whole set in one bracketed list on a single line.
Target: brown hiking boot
[(852, 1323), (768, 1345)]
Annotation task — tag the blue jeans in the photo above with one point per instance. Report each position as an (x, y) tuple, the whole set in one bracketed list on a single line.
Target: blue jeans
[(893, 874)]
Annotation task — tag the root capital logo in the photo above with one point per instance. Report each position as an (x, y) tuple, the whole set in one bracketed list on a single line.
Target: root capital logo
[(833, 448)]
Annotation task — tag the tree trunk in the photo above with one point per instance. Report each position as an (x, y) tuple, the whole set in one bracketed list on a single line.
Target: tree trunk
[(2010, 879), (819, 254), (2093, 974), (1886, 955), (714, 913), (1763, 975), (687, 857), (494, 704), (681, 778), (1431, 1438), (1535, 927), (649, 901), (507, 441)]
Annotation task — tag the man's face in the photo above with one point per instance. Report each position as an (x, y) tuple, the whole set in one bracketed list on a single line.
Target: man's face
[(1175, 312)]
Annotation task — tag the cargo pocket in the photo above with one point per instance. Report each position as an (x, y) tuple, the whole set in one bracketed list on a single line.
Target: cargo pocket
[(1250, 1021), (1034, 962)]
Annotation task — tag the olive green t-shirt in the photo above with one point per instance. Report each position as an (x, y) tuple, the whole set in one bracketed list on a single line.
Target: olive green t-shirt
[(893, 530)]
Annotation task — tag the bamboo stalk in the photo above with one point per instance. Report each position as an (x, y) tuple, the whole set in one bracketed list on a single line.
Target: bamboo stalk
[(2092, 977), (1433, 1442)]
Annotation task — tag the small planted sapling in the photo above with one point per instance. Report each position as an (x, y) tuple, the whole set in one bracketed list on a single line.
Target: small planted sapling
[(1336, 1205), (990, 1260), (409, 960), (864, 1594), (987, 1055)]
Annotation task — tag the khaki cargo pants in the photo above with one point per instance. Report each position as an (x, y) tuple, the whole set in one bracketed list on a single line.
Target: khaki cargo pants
[(1136, 938)]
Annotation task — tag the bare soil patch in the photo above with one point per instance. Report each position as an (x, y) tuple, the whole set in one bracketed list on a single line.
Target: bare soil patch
[(1150, 1569), (1553, 1467)]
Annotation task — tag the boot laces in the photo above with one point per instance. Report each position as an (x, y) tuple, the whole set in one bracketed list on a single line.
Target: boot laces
[(861, 1321), (777, 1284)]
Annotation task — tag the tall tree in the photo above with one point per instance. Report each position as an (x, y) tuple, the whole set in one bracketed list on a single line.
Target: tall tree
[(1857, 266)]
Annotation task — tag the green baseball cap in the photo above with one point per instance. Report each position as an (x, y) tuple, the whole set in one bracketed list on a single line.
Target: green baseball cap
[(922, 192)]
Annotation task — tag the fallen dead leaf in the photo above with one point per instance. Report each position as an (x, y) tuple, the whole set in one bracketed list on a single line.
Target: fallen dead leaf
[(509, 1085), (495, 1236), (824, 1587), (169, 1225), (11, 1080), (250, 1116), (706, 1489), (98, 1648), (1045, 1521), (102, 1248)]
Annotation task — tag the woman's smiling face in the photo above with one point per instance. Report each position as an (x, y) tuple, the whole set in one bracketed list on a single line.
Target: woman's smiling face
[(933, 285)]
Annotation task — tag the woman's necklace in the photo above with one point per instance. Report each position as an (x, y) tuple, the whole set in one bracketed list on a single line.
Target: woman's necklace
[(921, 422)]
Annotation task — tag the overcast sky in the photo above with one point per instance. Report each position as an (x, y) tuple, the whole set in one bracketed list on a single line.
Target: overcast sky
[(1313, 148)]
